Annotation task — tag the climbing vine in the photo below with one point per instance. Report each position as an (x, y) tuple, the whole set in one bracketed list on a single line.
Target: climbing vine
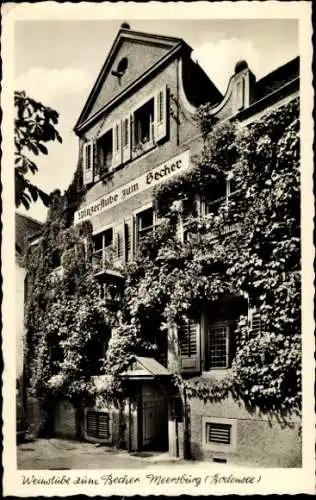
[(249, 246)]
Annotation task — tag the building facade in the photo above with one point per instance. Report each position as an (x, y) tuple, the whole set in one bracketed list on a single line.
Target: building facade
[(136, 131)]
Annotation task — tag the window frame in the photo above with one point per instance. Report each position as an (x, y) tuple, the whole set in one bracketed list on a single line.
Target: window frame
[(98, 153), (136, 214), (228, 324)]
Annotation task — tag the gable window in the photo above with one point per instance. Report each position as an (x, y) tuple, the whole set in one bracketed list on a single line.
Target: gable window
[(144, 126), (105, 153)]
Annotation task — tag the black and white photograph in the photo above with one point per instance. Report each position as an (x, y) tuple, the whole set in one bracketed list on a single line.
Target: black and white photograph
[(158, 301)]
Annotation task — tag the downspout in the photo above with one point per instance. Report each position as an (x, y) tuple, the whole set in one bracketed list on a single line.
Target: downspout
[(186, 442), (130, 425), (178, 104)]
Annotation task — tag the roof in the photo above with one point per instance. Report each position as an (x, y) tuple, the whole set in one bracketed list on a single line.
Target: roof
[(25, 227), (277, 78), (172, 44), (146, 367)]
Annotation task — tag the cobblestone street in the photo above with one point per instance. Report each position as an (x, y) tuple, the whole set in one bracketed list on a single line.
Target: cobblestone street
[(61, 454)]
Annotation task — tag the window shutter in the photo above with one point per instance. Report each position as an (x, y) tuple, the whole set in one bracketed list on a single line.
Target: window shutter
[(117, 144), (161, 114), (255, 321), (119, 242), (126, 138), (129, 233), (88, 160), (189, 342)]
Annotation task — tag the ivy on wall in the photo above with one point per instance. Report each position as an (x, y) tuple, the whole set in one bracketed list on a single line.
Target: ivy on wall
[(259, 260)]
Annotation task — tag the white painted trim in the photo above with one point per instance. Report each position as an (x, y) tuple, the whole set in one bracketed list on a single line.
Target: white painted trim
[(226, 448)]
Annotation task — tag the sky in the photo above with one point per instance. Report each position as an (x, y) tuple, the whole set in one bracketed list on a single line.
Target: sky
[(58, 61)]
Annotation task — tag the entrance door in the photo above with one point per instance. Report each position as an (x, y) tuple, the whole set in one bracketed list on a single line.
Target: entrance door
[(154, 421)]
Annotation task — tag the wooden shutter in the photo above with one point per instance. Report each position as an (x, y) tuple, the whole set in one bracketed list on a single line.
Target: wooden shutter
[(117, 144), (189, 342), (129, 237), (161, 114), (126, 138), (255, 320), (88, 162), (119, 242)]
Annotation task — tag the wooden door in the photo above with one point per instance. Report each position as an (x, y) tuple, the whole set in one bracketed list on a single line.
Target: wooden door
[(154, 424)]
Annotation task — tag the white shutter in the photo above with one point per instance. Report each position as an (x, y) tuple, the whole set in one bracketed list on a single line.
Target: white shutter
[(126, 138), (161, 114), (88, 160), (189, 342), (117, 144), (119, 242)]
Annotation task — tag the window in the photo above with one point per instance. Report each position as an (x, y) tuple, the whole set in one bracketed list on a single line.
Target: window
[(105, 153), (144, 125), (144, 224), (218, 346), (219, 434), (98, 425), (102, 250), (211, 203)]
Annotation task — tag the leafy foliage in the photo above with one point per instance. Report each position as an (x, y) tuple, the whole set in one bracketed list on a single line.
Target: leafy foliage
[(249, 247), (34, 127)]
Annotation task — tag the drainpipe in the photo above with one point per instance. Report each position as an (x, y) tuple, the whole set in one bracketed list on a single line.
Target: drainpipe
[(186, 443), (130, 425)]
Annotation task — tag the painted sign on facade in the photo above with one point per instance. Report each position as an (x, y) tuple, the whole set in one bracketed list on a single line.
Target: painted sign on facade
[(163, 172)]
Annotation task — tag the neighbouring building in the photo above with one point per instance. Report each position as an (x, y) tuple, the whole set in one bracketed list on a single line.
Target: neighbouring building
[(26, 229), (137, 130)]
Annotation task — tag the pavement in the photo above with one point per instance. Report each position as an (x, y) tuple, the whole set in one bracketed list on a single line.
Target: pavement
[(62, 454)]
